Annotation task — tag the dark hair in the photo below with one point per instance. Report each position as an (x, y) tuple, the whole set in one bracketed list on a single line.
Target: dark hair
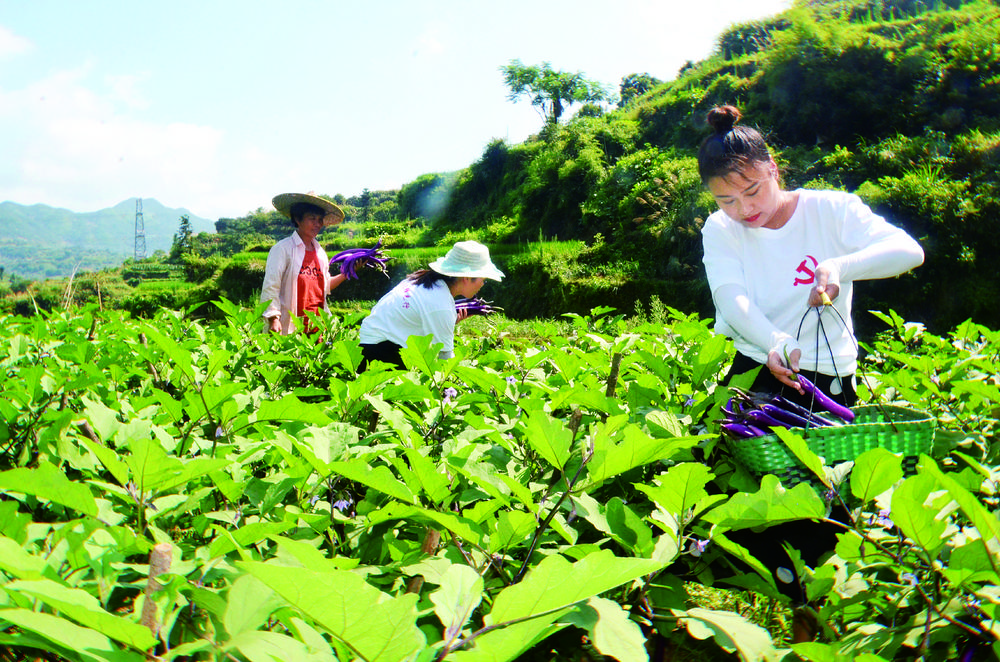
[(297, 210), (427, 278), (731, 147)]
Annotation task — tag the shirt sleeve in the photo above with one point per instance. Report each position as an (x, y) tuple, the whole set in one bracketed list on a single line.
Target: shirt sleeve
[(743, 317), (277, 262), (881, 250)]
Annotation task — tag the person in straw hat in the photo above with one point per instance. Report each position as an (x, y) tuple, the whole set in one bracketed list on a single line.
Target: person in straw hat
[(297, 276), (424, 304)]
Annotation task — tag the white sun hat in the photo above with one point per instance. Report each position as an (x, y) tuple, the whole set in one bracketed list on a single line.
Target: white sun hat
[(467, 258)]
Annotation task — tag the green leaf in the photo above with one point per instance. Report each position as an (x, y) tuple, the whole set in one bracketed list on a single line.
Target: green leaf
[(680, 488), (801, 450), (263, 646), (104, 420), (378, 627), (981, 518), (17, 562), (83, 608), (378, 478), (875, 471), (87, 643), (290, 408), (770, 505), (459, 595), (48, 483), (556, 583), (512, 528), (109, 458), (245, 535), (912, 514), (549, 437), (732, 632), (249, 603), (628, 528), (432, 478), (611, 630), (636, 449), (457, 525)]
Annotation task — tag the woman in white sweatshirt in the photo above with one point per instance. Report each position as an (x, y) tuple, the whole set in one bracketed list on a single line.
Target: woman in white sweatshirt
[(771, 255)]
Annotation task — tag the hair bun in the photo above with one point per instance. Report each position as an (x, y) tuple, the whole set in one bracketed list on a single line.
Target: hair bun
[(723, 118)]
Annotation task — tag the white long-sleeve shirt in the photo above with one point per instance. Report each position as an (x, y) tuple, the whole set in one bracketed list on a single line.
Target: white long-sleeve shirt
[(408, 310), (280, 288), (761, 278)]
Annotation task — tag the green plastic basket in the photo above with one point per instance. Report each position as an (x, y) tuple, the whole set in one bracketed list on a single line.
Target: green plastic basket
[(896, 429)]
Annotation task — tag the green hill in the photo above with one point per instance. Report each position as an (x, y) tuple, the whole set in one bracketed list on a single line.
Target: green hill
[(38, 241)]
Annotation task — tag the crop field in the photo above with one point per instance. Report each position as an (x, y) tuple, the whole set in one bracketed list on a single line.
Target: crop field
[(174, 489)]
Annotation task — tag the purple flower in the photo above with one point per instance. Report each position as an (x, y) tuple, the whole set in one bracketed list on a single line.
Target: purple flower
[(511, 380), (343, 504), (882, 519), (908, 578), (449, 393), (697, 547)]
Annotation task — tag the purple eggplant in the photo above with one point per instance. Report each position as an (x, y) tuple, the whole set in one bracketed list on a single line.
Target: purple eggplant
[(349, 260), (825, 401)]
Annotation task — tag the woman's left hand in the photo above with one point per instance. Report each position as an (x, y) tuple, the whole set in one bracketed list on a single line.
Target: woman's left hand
[(462, 314)]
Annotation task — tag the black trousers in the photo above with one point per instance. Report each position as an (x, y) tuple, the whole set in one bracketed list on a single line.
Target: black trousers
[(811, 539), (386, 351)]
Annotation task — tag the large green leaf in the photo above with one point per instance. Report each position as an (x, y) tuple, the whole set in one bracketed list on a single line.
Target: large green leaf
[(614, 634), (634, 449), (48, 483), (981, 518), (378, 478), (549, 437), (732, 632), (83, 608), (556, 583), (15, 561), (875, 471), (249, 603), (263, 646), (290, 408), (680, 489), (376, 626), (87, 643), (912, 513), (770, 505), (460, 593)]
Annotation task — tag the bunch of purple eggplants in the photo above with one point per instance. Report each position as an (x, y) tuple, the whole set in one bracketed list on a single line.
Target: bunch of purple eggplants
[(749, 414)]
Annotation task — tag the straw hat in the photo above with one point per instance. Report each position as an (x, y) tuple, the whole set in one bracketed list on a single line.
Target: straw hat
[(283, 203), (467, 258)]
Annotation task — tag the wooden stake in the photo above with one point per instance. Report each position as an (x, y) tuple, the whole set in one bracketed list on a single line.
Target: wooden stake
[(159, 563)]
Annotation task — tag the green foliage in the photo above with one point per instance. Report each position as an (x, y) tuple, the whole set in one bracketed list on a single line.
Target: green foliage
[(530, 492)]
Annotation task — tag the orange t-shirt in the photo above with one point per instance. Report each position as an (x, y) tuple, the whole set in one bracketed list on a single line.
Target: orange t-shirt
[(310, 288)]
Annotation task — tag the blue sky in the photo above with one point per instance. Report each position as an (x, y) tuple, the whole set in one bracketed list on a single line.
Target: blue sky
[(218, 105)]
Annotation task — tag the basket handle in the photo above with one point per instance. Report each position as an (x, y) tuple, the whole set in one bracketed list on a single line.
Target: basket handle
[(828, 303)]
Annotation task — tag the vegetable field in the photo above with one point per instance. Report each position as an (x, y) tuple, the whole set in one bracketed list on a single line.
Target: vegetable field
[(177, 490)]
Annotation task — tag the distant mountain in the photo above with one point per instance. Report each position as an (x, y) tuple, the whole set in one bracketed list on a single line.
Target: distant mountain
[(38, 241)]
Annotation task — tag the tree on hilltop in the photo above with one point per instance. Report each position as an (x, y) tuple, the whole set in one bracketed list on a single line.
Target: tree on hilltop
[(551, 91)]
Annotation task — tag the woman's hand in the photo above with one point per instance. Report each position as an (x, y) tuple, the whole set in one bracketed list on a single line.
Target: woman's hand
[(823, 286), (274, 323), (462, 314), (785, 373)]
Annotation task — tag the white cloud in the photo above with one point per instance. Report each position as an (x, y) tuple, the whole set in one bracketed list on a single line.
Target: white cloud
[(84, 150), (11, 44)]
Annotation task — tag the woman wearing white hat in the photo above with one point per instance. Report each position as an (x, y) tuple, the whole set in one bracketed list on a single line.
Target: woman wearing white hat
[(424, 304), (297, 276)]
